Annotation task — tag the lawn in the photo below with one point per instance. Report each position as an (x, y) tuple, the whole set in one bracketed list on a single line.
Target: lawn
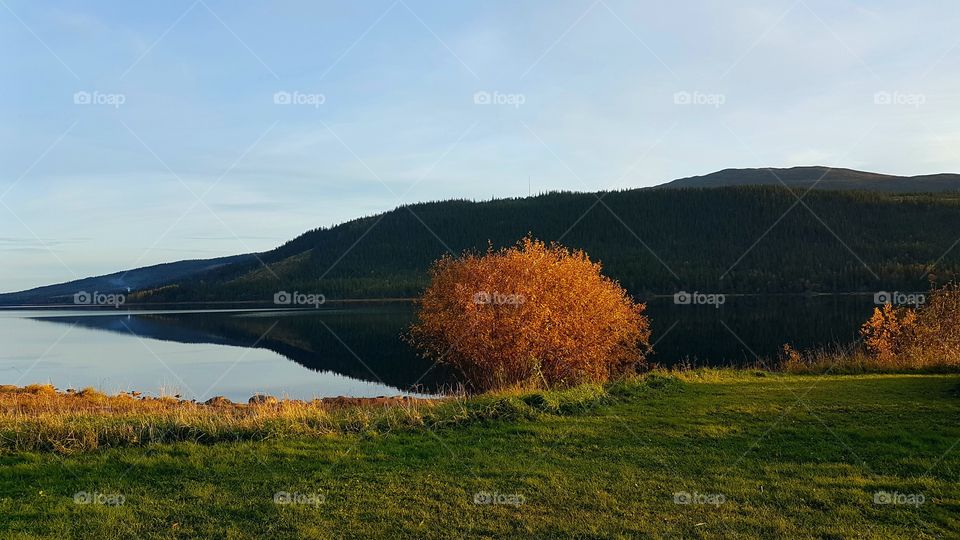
[(751, 455)]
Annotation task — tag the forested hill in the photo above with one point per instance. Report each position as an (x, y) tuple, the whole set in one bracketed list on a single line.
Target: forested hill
[(823, 178), (134, 279), (739, 239)]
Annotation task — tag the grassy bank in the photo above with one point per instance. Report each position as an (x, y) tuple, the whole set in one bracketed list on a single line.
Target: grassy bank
[(755, 455), (40, 418), (854, 359)]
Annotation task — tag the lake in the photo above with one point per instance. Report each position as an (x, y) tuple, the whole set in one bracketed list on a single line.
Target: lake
[(355, 351)]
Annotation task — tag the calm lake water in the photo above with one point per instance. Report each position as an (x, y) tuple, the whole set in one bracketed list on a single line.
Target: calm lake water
[(355, 351)]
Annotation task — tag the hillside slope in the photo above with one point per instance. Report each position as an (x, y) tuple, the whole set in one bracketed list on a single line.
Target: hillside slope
[(747, 239), (135, 279), (742, 239)]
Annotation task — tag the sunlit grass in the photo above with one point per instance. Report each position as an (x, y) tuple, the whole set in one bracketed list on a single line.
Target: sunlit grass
[(794, 456), (853, 359), (39, 417)]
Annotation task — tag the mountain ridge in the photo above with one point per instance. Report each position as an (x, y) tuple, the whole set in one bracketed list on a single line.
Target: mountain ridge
[(135, 279), (684, 234), (825, 178)]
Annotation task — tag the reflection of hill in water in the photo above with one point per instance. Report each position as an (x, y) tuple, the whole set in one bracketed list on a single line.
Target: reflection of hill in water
[(360, 343), (745, 325), (371, 335)]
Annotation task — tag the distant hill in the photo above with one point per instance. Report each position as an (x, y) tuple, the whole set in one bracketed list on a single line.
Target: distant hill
[(743, 239), (829, 179), (136, 279)]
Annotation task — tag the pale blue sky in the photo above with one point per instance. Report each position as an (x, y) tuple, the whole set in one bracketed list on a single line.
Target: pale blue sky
[(589, 102)]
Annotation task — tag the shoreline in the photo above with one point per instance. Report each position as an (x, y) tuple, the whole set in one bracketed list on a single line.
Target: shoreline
[(332, 303), (39, 418), (92, 395)]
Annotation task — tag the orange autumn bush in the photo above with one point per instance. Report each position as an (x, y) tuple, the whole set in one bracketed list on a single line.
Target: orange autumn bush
[(928, 336), (529, 315), (889, 333)]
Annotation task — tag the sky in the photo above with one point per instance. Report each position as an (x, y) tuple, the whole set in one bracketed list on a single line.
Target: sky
[(136, 133)]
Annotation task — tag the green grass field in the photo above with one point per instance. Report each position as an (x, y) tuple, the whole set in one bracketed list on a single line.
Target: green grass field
[(755, 456)]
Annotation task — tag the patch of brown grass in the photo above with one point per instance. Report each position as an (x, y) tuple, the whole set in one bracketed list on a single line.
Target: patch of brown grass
[(856, 359), (38, 417), (68, 422)]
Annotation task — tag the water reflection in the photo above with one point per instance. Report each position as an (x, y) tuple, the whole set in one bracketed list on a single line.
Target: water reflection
[(745, 327), (362, 344), (358, 351)]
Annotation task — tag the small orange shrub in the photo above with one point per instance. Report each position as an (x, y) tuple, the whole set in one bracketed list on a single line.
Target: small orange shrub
[(928, 336), (531, 314), (938, 325), (889, 333)]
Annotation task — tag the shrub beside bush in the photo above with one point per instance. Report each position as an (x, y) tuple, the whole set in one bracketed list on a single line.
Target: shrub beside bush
[(928, 336)]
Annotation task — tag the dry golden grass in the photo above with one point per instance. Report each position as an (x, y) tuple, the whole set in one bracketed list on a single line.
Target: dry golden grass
[(855, 359), (40, 418)]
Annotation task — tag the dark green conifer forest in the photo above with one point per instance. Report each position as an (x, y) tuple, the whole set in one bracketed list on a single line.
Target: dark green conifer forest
[(748, 239)]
